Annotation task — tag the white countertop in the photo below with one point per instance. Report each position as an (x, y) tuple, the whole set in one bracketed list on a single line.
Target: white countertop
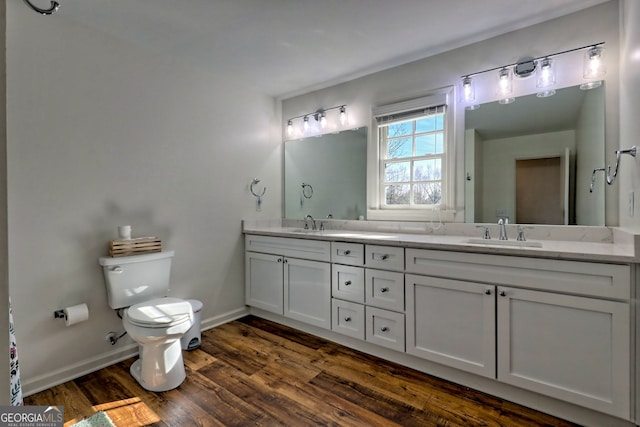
[(603, 244)]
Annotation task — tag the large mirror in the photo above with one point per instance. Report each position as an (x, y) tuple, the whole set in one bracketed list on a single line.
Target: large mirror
[(531, 161), (326, 175)]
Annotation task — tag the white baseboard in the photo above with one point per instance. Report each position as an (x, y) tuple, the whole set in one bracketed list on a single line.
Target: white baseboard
[(76, 370)]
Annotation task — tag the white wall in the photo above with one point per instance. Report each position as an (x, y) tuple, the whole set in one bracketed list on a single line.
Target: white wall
[(629, 178), (100, 134), (419, 78)]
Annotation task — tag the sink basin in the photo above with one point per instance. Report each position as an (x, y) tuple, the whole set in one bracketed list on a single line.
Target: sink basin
[(511, 243)]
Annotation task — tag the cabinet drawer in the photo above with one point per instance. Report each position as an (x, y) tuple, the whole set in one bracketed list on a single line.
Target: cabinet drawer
[(315, 250), (347, 283), (581, 278), (384, 257), (385, 328), (384, 289), (348, 318), (347, 253)]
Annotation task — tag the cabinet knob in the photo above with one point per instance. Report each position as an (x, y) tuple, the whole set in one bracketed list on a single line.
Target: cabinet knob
[(503, 294), (285, 261), (347, 252), (347, 319), (383, 290), (347, 283), (384, 257), (384, 329), (279, 259), (487, 292)]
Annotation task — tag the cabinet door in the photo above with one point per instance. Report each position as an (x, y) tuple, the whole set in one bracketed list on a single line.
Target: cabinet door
[(263, 281), (307, 291), (572, 348), (452, 322)]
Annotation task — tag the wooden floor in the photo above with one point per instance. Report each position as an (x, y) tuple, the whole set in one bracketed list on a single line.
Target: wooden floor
[(254, 372)]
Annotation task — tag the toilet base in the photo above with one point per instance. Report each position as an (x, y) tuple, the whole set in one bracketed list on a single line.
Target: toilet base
[(164, 369)]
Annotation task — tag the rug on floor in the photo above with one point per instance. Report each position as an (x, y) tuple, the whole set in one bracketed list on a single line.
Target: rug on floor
[(99, 419)]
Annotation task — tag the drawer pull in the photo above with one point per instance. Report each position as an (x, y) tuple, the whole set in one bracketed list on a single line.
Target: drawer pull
[(347, 252), (384, 257), (384, 329), (503, 294), (383, 290), (347, 283), (487, 292), (347, 319)]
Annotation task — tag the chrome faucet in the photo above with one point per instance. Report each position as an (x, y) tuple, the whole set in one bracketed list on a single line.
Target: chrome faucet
[(502, 222), (313, 222)]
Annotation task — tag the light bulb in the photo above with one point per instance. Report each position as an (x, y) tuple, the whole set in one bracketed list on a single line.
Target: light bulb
[(468, 90), (505, 86), (323, 120), (546, 78)]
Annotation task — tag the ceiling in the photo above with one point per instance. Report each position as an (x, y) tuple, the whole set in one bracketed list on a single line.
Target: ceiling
[(288, 47)]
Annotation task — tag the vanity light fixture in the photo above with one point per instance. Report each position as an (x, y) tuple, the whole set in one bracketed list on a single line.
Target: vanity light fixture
[(546, 78), (505, 86), (593, 67), (543, 68), (321, 120)]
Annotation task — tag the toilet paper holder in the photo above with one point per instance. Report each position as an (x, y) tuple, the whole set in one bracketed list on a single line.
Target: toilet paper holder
[(59, 314)]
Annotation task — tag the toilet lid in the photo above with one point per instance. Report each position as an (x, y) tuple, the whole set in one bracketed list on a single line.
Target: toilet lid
[(160, 312)]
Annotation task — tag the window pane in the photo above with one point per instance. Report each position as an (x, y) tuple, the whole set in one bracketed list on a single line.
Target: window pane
[(427, 194), (430, 124), (400, 129), (397, 194), (397, 172), (427, 170), (399, 147), (429, 144)]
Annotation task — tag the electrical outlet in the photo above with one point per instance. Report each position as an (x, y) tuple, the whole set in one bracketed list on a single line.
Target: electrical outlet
[(631, 203)]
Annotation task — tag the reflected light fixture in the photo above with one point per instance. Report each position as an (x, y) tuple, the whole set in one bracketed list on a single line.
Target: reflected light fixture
[(290, 127), (546, 78), (343, 115), (593, 67), (305, 124)]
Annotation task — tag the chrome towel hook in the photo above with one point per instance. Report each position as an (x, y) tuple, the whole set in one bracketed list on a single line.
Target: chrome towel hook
[(612, 178), (53, 8)]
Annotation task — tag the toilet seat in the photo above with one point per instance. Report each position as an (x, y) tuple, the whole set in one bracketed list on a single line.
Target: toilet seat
[(160, 313)]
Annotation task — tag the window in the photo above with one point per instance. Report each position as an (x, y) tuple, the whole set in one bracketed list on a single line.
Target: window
[(415, 161), (411, 161)]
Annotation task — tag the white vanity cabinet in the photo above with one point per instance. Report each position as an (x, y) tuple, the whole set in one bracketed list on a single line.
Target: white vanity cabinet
[(290, 277), (368, 303), (559, 328)]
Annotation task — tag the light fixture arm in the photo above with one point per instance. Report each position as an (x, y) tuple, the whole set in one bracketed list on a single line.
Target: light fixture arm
[(612, 178), (53, 8)]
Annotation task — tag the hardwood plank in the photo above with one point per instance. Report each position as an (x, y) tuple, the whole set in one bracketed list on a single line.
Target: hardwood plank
[(256, 372)]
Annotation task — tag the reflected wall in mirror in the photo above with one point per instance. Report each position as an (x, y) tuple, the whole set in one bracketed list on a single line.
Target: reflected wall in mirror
[(333, 168), (531, 161)]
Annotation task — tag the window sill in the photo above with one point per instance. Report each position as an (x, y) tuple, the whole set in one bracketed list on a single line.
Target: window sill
[(411, 215)]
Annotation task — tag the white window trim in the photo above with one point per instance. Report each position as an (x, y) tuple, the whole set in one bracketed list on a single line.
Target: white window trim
[(444, 213)]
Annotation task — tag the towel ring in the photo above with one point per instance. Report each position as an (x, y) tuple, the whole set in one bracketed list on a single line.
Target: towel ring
[(307, 190), (254, 182), (54, 7)]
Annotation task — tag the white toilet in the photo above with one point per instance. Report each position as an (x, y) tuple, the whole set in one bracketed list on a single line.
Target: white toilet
[(139, 284)]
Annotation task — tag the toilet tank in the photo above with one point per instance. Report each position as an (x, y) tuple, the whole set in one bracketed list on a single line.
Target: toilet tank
[(137, 278)]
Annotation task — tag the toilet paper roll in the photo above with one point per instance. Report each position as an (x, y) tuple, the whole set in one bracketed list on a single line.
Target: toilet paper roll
[(76, 314)]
